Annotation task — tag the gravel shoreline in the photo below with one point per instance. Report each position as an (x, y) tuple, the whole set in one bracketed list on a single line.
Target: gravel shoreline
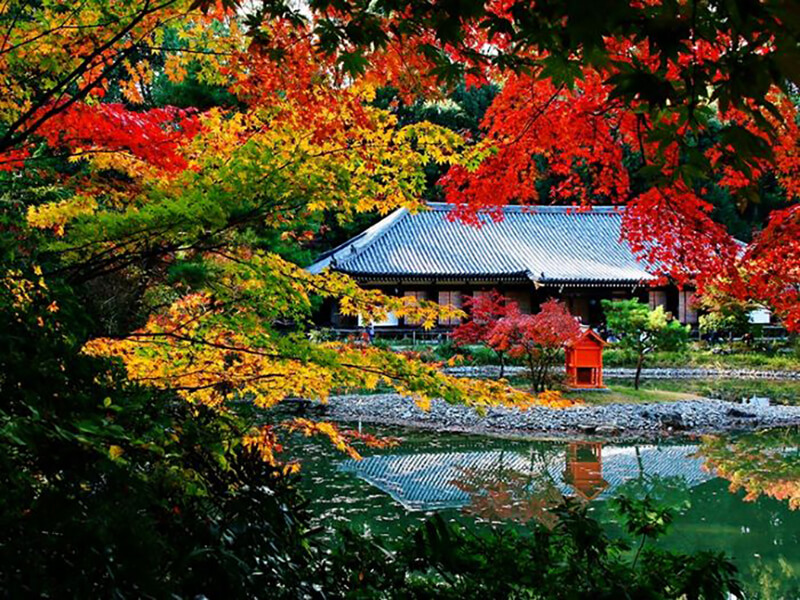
[(616, 421), (647, 373)]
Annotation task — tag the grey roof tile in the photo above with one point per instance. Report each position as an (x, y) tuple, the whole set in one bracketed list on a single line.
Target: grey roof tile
[(542, 242)]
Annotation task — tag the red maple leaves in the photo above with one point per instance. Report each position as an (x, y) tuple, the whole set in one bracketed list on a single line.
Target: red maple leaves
[(552, 328), (485, 310), (154, 136), (498, 323), (580, 146), (538, 129)]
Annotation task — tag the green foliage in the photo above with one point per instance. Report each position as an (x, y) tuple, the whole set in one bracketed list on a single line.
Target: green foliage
[(481, 355), (461, 111), (447, 349), (735, 323), (189, 92), (643, 331), (640, 328), (726, 316), (573, 559)]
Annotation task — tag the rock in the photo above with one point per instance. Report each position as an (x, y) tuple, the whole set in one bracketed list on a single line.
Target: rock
[(631, 420), (740, 414), (673, 422)]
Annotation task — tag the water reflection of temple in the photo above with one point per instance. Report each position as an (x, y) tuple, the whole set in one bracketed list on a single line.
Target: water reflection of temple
[(588, 470), (584, 470)]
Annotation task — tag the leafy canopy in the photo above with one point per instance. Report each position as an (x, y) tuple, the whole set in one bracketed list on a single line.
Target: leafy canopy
[(642, 331)]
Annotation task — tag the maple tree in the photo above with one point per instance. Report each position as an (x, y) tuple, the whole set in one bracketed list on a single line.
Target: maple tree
[(538, 339), (484, 311), (169, 213), (643, 331), (581, 141), (150, 233), (158, 190), (194, 187), (611, 108)]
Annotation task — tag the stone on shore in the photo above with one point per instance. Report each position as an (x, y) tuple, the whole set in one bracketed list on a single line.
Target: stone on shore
[(697, 416)]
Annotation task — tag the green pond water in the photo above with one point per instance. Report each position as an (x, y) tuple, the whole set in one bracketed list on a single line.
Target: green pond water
[(477, 477)]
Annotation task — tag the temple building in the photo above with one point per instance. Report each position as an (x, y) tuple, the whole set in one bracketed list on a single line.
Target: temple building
[(532, 254)]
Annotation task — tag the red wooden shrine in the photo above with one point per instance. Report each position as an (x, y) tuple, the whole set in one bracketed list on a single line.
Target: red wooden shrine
[(585, 361)]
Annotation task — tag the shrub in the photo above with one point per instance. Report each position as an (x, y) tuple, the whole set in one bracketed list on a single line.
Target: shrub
[(537, 339), (446, 350), (485, 312)]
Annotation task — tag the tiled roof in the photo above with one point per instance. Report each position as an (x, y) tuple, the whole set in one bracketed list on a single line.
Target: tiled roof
[(430, 481), (543, 243)]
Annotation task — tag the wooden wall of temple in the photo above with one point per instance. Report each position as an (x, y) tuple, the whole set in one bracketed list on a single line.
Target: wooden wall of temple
[(582, 301)]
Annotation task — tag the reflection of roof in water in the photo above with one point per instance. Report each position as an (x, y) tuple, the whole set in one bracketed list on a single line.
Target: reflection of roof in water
[(426, 481)]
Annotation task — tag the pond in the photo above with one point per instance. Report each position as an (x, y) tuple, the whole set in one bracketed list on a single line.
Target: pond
[(476, 477)]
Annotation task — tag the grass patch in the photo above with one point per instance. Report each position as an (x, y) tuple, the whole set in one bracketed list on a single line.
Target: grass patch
[(624, 394), (734, 390), (672, 390), (619, 391), (703, 358)]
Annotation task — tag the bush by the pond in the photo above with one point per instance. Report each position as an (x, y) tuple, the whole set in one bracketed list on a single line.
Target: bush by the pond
[(573, 559)]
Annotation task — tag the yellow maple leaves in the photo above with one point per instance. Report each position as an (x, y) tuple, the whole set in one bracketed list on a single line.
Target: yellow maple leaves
[(55, 215), (76, 43), (300, 145), (211, 348), (310, 428)]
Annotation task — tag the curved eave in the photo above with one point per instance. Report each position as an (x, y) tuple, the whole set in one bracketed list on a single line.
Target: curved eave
[(523, 277)]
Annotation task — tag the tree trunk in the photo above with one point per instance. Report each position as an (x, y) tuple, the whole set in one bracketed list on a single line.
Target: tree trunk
[(502, 356), (532, 370), (544, 377), (639, 363), (541, 376), (640, 463)]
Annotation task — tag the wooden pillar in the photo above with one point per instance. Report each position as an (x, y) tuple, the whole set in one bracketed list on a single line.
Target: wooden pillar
[(687, 313), (658, 298)]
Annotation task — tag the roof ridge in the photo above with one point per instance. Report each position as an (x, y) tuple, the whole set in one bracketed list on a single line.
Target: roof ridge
[(540, 208)]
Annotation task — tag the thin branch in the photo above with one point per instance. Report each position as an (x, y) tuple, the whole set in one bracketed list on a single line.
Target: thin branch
[(16, 132)]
